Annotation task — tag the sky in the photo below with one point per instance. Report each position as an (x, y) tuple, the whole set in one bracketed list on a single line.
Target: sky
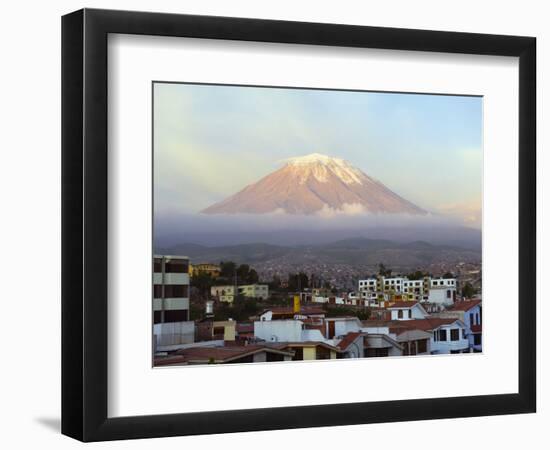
[(211, 141)]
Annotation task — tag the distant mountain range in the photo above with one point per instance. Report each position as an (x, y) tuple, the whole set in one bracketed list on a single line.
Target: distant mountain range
[(352, 251), (313, 183)]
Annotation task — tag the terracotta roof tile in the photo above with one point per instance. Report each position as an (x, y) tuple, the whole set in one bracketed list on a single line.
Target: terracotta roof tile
[(348, 340), (404, 304), (464, 305)]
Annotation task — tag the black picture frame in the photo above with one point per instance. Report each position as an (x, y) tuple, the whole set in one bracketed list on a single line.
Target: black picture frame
[(84, 224)]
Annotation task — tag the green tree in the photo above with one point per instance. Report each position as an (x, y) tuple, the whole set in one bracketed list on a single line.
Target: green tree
[(227, 269), (253, 277), (448, 275), (203, 282), (468, 290), (297, 281), (242, 272)]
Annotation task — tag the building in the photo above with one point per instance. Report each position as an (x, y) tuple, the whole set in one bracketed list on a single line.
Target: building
[(225, 355), (311, 350), (442, 291), (227, 293), (260, 291), (427, 289), (207, 268), (211, 330), (406, 310), (223, 293), (170, 289), (172, 334), (380, 345), (340, 326), (447, 335), (423, 336), (469, 312), (288, 330), (352, 345)]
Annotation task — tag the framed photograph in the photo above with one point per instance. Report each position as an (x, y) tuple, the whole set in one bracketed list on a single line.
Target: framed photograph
[(272, 224)]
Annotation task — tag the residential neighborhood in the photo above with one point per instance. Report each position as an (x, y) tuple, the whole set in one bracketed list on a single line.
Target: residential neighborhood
[(221, 313)]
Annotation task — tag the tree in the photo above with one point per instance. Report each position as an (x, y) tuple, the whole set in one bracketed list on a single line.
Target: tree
[(297, 282), (242, 272), (227, 269), (417, 275), (468, 290), (275, 283), (253, 277), (382, 270), (448, 275), (203, 282)]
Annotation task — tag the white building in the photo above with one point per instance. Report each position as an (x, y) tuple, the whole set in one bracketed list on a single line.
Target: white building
[(448, 336), (170, 289), (407, 311), (340, 326), (442, 291), (434, 290), (469, 312), (279, 330), (289, 330)]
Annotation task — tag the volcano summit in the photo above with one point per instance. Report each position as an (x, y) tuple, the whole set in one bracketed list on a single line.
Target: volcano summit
[(312, 184)]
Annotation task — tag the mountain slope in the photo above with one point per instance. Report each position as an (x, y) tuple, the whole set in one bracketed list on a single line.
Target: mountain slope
[(354, 251), (313, 184)]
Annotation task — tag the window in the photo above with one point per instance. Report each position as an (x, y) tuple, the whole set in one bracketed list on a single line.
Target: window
[(455, 336), (157, 291), (177, 315), (176, 266), (463, 333), (436, 336), (472, 319), (442, 335), (477, 339), (448, 293), (477, 319), (157, 316), (400, 314), (176, 291)]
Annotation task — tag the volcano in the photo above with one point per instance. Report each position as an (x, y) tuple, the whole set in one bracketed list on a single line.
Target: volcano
[(315, 184)]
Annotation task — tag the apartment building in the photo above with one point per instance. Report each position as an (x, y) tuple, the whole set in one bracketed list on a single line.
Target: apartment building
[(227, 293), (440, 291), (170, 289)]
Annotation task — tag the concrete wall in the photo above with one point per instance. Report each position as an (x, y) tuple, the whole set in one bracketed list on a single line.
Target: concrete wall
[(310, 353), (279, 330), (174, 333)]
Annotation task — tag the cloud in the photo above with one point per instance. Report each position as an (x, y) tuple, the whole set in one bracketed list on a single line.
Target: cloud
[(348, 209)]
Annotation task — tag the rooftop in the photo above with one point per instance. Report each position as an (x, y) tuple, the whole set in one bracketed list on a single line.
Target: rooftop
[(465, 305)]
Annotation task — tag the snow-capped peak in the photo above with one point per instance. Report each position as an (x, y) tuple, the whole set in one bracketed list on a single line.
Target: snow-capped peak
[(319, 165), (316, 158)]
